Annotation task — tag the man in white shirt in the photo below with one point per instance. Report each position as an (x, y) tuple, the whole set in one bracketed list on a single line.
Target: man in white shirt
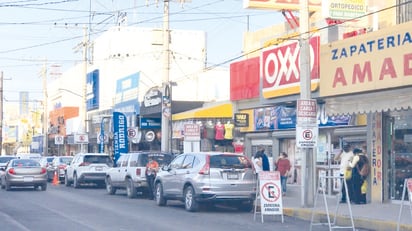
[(345, 156)]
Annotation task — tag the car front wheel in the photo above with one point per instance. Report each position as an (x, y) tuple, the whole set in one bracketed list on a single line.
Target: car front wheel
[(76, 183), (109, 187), (191, 204), (160, 200)]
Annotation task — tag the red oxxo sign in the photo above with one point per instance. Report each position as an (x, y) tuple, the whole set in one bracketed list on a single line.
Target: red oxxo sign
[(280, 68), (374, 61)]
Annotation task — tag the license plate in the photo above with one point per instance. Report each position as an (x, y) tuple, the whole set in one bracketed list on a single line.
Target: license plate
[(28, 179), (232, 176), (99, 168)]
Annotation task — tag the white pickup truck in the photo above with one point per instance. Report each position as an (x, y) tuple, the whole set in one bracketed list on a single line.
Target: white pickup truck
[(130, 172)]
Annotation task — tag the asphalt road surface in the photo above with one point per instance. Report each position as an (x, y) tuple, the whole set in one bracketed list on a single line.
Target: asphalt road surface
[(63, 208)]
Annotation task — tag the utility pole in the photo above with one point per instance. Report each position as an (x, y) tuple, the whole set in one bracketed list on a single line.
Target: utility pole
[(45, 111), (83, 114), (308, 159), (165, 83), (1, 113)]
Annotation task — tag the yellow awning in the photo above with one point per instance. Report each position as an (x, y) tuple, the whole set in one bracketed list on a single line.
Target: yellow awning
[(216, 111)]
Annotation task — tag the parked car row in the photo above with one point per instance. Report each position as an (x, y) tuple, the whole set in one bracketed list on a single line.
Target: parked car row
[(194, 178)]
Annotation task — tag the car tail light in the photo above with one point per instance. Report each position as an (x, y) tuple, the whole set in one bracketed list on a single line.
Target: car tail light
[(138, 171), (84, 164), (43, 170), (11, 171), (206, 168), (62, 166)]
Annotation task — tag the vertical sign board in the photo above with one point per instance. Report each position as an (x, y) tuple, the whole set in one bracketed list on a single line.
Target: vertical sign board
[(306, 128), (270, 193), (192, 132), (120, 141)]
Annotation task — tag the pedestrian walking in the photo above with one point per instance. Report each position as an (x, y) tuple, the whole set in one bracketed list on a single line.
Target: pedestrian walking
[(283, 166), (265, 159)]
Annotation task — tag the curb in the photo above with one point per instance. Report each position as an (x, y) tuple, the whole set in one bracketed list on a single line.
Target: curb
[(363, 223)]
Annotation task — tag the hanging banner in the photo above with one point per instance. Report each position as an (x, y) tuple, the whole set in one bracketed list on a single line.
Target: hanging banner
[(119, 135)]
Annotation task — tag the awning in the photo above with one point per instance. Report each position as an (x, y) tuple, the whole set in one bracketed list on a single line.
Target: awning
[(395, 99), (224, 110)]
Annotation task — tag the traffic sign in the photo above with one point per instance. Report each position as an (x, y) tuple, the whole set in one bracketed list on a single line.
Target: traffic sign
[(306, 136), (58, 140)]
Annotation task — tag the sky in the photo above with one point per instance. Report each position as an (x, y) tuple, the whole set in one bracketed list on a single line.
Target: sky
[(45, 33)]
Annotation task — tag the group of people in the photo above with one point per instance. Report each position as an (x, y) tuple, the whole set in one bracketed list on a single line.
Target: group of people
[(351, 165), (282, 164)]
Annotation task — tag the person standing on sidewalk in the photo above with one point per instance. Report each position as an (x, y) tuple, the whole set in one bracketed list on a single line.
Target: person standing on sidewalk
[(345, 156), (265, 159), (359, 160), (283, 166)]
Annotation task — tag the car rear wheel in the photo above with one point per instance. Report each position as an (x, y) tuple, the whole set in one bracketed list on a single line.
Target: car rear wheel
[(191, 204), (130, 189), (160, 200), (43, 187), (109, 187), (76, 183)]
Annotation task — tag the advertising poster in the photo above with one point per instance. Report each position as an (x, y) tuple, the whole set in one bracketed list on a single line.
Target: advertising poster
[(270, 193), (119, 135)]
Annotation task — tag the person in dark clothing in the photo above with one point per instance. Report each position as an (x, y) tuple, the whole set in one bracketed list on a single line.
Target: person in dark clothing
[(265, 159), (357, 180)]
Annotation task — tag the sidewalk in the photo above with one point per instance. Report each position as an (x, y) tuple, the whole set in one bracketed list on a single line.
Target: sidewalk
[(376, 216)]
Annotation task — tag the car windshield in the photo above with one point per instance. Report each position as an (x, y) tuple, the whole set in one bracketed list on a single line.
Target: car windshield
[(66, 160), (94, 159), (25, 163), (161, 158), (6, 159), (229, 161)]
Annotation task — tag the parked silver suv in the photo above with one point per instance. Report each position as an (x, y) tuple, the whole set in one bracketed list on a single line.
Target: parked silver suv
[(207, 177), (88, 168)]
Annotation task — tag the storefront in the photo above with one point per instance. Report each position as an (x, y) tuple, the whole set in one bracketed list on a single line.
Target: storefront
[(372, 74), (212, 128)]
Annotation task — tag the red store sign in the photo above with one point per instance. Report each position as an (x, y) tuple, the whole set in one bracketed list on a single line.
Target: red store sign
[(280, 68)]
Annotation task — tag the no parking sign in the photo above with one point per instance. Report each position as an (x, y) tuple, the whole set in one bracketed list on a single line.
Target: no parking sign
[(270, 193)]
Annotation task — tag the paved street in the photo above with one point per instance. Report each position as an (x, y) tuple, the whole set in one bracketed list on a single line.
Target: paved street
[(88, 208)]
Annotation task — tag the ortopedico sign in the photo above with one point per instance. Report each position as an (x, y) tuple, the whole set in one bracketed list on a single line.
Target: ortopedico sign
[(280, 68), (373, 61)]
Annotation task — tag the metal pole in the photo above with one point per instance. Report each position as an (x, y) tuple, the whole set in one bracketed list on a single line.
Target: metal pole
[(308, 166), (165, 83), (1, 113), (102, 136), (45, 111), (83, 115)]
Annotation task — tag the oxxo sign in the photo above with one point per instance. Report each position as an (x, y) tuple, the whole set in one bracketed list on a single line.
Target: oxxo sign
[(280, 68), (306, 127)]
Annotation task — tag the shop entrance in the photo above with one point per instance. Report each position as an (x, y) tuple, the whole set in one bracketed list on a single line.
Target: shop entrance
[(399, 151)]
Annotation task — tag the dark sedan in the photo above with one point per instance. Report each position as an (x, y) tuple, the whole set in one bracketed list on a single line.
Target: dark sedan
[(23, 173)]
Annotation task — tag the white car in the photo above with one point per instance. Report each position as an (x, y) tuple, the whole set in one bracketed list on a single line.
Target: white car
[(88, 168)]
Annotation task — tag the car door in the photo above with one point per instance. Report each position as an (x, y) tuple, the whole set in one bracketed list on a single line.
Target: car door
[(123, 169), (116, 172), (184, 174), (170, 179), (70, 168)]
